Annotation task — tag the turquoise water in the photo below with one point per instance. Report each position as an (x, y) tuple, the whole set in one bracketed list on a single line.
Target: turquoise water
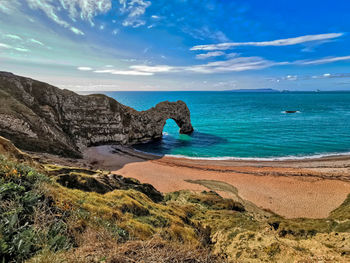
[(251, 125)]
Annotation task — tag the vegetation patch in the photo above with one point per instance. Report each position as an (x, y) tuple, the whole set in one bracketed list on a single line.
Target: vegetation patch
[(28, 220), (44, 218)]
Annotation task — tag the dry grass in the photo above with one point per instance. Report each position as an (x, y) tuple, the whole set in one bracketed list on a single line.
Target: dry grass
[(100, 247), (126, 226)]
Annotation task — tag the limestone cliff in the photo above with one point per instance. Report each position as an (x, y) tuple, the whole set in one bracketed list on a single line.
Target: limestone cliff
[(36, 116)]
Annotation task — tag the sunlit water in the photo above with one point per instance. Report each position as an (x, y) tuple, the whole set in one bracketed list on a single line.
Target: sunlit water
[(251, 125)]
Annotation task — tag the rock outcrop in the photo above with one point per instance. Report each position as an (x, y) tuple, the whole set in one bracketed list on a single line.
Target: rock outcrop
[(36, 116), (100, 182)]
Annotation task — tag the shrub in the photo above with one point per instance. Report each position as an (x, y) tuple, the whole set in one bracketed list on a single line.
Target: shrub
[(28, 220)]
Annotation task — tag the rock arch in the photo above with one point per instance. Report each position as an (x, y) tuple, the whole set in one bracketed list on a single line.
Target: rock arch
[(39, 117), (150, 123)]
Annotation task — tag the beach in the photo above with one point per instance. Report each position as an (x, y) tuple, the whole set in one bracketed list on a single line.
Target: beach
[(309, 188)]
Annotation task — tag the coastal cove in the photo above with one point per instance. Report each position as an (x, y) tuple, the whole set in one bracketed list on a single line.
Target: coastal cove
[(230, 125), (295, 188), (82, 153), (143, 131)]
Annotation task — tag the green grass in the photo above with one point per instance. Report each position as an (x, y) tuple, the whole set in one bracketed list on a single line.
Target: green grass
[(28, 222), (42, 219)]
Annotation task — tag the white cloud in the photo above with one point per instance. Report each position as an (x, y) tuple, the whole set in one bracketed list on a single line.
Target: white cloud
[(6, 46), (86, 9), (77, 31), (134, 10), (210, 54), (322, 60), (36, 42), (21, 49), (83, 9), (205, 33), (15, 37), (84, 68), (8, 6), (133, 23), (153, 69), (308, 77), (279, 42), (234, 65), (3, 45), (232, 55), (291, 77), (124, 72), (49, 9)]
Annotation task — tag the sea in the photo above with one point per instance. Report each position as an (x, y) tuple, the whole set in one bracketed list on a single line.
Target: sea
[(252, 125)]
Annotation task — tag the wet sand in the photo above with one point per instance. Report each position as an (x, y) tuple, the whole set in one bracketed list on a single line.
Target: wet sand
[(294, 188)]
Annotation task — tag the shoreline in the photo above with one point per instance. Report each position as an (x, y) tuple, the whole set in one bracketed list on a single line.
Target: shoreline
[(315, 157), (309, 188)]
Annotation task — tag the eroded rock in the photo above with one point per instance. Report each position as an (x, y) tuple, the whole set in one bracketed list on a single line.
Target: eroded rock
[(36, 116)]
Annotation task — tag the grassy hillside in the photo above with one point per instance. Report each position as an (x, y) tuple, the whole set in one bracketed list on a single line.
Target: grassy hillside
[(66, 214)]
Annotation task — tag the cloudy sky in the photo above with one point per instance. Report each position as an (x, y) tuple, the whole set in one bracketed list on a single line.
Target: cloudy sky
[(103, 45)]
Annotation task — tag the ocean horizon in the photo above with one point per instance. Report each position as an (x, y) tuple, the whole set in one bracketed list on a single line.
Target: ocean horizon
[(252, 125)]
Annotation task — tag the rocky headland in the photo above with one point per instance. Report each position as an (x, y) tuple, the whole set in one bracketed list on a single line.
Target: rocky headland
[(36, 116)]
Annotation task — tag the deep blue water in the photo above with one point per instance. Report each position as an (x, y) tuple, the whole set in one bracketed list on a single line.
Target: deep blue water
[(251, 125)]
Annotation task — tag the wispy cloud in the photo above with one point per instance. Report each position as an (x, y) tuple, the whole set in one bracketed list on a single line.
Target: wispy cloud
[(231, 65), (11, 36), (86, 9), (153, 69), (6, 46), (36, 42), (3, 45), (234, 65), (278, 42), (84, 68), (125, 72), (77, 31), (210, 54), (8, 7), (51, 11), (204, 33), (134, 10), (311, 77), (322, 60)]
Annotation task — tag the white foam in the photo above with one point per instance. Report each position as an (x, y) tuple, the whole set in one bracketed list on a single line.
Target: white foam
[(227, 158)]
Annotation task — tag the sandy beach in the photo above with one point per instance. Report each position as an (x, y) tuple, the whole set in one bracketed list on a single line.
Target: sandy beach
[(309, 188)]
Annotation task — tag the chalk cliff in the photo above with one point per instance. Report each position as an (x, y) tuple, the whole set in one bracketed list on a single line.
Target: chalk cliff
[(36, 116)]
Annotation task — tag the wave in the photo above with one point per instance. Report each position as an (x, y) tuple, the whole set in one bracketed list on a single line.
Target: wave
[(227, 158)]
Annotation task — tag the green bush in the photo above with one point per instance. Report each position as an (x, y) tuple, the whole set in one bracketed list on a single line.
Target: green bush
[(28, 220)]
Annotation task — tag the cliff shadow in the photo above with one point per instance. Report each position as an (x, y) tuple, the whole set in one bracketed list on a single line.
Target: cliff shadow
[(175, 145), (115, 157)]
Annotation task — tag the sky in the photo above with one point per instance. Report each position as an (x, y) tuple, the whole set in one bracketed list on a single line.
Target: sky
[(107, 45)]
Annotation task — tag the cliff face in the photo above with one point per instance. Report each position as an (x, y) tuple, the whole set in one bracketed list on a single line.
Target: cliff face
[(36, 116)]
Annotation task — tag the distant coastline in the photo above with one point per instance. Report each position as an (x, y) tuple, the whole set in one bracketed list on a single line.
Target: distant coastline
[(281, 91)]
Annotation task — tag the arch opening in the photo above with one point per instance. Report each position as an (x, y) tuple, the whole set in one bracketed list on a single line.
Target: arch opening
[(171, 127)]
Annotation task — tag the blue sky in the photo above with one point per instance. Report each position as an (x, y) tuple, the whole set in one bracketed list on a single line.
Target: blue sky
[(104, 45)]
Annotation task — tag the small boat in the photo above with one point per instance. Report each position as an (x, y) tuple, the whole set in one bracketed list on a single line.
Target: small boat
[(291, 111)]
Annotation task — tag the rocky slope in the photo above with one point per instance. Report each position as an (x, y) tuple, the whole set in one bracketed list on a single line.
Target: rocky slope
[(52, 213), (39, 117)]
